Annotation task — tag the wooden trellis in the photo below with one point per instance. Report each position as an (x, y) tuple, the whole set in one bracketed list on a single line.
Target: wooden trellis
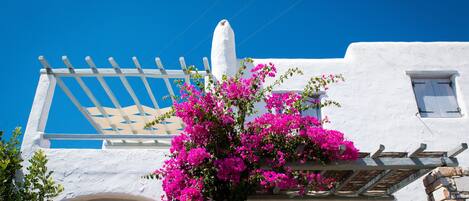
[(121, 122), (374, 176)]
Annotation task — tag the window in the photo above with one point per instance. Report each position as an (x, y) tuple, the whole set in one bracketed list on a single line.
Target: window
[(436, 97), (314, 112)]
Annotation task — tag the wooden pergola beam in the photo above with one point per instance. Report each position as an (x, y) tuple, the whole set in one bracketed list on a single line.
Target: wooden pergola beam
[(318, 198), (378, 164), (346, 181), (407, 181), (373, 182), (419, 150), (378, 152), (456, 151)]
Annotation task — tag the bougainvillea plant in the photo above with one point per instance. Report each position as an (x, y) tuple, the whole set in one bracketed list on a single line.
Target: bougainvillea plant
[(221, 155)]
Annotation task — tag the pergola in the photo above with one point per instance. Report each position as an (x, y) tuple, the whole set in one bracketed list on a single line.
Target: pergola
[(374, 176)]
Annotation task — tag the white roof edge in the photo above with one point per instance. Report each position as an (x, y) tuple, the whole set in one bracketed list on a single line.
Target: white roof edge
[(354, 45)]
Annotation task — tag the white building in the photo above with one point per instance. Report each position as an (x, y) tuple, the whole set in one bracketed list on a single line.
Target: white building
[(386, 84)]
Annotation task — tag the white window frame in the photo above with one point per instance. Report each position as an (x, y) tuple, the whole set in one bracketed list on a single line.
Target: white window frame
[(437, 76)]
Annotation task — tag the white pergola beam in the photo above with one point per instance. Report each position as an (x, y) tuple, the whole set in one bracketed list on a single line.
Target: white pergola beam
[(184, 69), (163, 71), (109, 92), (206, 65), (149, 91), (70, 95), (145, 83), (54, 136), (129, 72), (88, 93), (129, 90)]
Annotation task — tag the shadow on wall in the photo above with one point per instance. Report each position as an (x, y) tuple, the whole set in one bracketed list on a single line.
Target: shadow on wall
[(110, 197)]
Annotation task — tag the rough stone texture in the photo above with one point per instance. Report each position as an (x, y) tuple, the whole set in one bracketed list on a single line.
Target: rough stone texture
[(450, 184), (442, 172), (462, 183)]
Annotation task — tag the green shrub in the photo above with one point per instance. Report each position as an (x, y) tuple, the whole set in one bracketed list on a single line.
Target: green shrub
[(36, 185), (10, 164)]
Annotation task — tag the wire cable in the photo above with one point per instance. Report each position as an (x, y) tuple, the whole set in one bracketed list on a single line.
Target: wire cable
[(269, 22)]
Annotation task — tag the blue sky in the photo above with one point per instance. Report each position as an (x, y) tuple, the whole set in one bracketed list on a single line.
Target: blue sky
[(169, 29)]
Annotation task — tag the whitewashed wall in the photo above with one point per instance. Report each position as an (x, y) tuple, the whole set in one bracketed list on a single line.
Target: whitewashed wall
[(378, 103), (378, 107)]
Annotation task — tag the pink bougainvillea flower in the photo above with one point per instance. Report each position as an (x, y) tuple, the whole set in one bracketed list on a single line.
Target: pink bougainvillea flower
[(226, 151)]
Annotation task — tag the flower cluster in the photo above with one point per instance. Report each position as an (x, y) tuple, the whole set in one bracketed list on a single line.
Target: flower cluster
[(222, 156)]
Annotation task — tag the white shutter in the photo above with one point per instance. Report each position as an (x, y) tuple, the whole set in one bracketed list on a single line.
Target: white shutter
[(425, 96), (445, 98)]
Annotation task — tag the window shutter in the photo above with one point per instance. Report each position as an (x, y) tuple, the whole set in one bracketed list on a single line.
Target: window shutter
[(314, 112), (424, 94), (446, 98)]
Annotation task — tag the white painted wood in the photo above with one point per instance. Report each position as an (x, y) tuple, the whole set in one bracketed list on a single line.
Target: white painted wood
[(88, 93), (129, 72), (70, 95), (129, 90), (109, 92), (184, 69), (206, 65), (149, 90), (163, 71), (77, 104), (53, 136), (145, 83)]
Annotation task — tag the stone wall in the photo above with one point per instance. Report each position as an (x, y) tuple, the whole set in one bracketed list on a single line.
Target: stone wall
[(447, 183)]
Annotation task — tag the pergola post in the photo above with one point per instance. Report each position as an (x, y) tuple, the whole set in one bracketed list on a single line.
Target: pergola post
[(33, 139)]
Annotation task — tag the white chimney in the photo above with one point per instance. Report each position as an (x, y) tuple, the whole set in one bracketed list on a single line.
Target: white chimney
[(223, 54)]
